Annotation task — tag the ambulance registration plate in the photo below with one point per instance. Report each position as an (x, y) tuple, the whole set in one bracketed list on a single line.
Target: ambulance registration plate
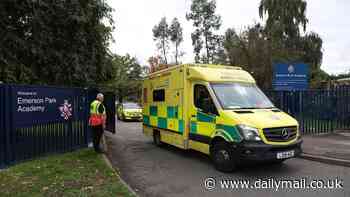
[(285, 155)]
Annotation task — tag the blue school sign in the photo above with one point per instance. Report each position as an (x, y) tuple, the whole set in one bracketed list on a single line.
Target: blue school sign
[(33, 105), (292, 76)]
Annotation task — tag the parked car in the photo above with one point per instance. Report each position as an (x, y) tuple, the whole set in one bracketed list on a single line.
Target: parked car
[(129, 111)]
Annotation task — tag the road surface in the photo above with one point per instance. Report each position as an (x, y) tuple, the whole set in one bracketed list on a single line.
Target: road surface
[(169, 171)]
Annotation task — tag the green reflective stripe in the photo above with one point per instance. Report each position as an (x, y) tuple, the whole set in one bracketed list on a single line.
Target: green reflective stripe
[(231, 130), (226, 136), (193, 127), (221, 134), (201, 117), (162, 123), (171, 112), (153, 110), (181, 126), (146, 120)]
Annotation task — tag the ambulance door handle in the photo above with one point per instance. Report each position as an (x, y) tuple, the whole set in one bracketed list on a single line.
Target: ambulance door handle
[(193, 116)]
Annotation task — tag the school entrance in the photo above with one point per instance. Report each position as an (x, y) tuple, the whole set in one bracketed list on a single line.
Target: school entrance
[(40, 120)]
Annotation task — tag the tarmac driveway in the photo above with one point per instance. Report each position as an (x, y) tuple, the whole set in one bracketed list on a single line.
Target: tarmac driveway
[(168, 171)]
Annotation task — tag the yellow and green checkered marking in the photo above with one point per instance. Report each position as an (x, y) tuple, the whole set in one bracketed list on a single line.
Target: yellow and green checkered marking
[(165, 117), (170, 118), (205, 125)]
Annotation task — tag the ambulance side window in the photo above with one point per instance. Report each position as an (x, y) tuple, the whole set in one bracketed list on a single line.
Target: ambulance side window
[(203, 100), (159, 95)]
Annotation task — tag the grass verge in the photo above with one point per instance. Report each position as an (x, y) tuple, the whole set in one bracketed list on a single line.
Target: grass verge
[(81, 173)]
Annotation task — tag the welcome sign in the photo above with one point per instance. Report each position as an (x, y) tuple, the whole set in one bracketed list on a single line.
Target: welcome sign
[(33, 105), (290, 76)]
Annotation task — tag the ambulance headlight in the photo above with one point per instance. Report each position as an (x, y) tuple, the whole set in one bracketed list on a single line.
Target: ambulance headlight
[(249, 133)]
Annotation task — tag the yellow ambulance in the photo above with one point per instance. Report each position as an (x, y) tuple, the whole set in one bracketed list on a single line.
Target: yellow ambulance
[(220, 111)]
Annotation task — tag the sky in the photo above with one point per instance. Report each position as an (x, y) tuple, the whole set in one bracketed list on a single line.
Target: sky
[(134, 20)]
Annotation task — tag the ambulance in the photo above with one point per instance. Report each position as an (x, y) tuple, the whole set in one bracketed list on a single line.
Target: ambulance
[(220, 111)]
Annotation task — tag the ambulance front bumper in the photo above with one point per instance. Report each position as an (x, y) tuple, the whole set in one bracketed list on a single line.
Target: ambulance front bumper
[(259, 151), (133, 116)]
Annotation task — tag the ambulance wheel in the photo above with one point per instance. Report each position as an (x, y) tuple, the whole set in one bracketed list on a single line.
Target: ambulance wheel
[(156, 138), (223, 156)]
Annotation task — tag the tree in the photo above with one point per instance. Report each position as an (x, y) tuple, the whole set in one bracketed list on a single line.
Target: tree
[(219, 56), (206, 22), (161, 34), (311, 46), (55, 42), (284, 19), (257, 47), (176, 37), (311, 53), (284, 22), (249, 50), (126, 78)]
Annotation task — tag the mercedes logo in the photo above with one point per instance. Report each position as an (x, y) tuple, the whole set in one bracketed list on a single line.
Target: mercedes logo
[(285, 134)]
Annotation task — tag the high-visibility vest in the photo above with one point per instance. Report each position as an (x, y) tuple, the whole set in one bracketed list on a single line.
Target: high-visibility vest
[(96, 118)]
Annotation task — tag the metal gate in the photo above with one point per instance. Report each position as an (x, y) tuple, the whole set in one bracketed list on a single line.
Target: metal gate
[(109, 102), (318, 111), (3, 131)]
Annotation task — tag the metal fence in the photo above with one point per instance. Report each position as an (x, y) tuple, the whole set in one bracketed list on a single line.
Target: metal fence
[(36, 121), (2, 127), (318, 111)]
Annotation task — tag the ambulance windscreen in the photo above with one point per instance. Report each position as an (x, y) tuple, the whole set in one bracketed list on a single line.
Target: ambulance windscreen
[(241, 96)]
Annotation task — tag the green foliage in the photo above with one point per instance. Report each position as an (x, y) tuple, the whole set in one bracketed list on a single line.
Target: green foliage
[(161, 34), (206, 22), (219, 54), (258, 46), (249, 50), (253, 50), (176, 37), (340, 76), (55, 42), (318, 77), (127, 75), (283, 24), (284, 19)]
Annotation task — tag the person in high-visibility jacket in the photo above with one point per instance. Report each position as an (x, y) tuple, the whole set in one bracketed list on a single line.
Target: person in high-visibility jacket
[(97, 121)]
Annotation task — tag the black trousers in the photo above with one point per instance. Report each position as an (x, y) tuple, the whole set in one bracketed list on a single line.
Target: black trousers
[(97, 132)]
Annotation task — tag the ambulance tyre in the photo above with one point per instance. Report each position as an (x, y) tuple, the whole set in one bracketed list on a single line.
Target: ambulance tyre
[(223, 156), (156, 138)]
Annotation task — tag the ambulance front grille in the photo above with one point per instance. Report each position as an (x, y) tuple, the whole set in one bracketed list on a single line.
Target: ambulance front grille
[(280, 134)]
